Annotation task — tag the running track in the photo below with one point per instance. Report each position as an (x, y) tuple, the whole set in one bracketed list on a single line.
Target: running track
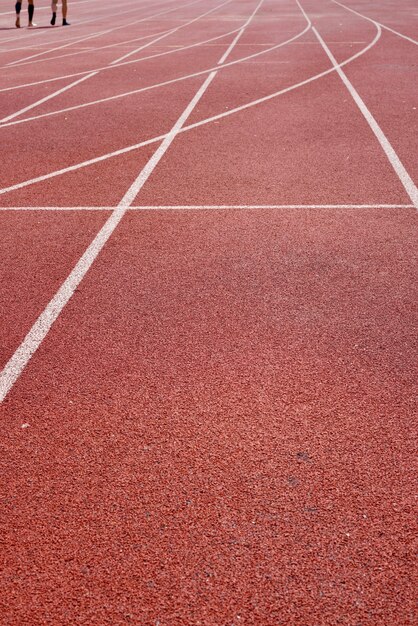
[(208, 304)]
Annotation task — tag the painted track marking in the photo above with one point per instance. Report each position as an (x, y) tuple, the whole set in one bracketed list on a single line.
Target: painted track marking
[(91, 74), (376, 22), (407, 182), (124, 63), (26, 60), (4, 122), (19, 360), (170, 32), (40, 31), (208, 120)]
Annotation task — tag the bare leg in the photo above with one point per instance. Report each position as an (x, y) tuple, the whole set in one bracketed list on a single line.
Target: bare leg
[(64, 13), (18, 8), (54, 12)]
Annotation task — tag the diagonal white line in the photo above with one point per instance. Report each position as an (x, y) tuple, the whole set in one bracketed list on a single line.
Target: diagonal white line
[(219, 65), (41, 327), (393, 158), (134, 61), (94, 73), (203, 122), (27, 61), (43, 100), (170, 32), (66, 45), (79, 23)]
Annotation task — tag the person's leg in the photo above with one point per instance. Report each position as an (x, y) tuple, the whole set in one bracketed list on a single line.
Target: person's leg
[(18, 8), (54, 11), (31, 10), (64, 13)]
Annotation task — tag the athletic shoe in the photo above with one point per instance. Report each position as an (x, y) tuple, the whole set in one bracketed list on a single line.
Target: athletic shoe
[(54, 17)]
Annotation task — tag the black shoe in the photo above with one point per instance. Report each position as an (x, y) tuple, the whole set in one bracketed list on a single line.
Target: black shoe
[(54, 17), (65, 23)]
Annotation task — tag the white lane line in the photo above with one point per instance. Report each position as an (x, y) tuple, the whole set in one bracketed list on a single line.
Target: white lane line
[(26, 60), (19, 62), (270, 206), (94, 49), (124, 44), (203, 122), (369, 19), (125, 63), (170, 32), (43, 324), (82, 22), (207, 207), (5, 121), (41, 327), (43, 31), (90, 75), (158, 85), (393, 158), (43, 100)]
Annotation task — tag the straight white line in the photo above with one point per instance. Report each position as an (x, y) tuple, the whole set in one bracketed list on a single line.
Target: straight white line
[(6, 122), (158, 85), (125, 63), (203, 122), (43, 100), (93, 73), (41, 327), (119, 44), (170, 32), (393, 158), (66, 45), (178, 48), (44, 31), (190, 207), (395, 32), (269, 206), (26, 60)]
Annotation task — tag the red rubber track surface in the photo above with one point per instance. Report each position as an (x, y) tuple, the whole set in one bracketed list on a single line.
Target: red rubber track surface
[(220, 426)]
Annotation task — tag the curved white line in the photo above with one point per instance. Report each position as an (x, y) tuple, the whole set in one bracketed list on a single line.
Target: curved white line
[(163, 84), (169, 32), (43, 31), (26, 60), (375, 22), (123, 43), (55, 31), (99, 48), (208, 120), (110, 67), (92, 74), (287, 89)]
